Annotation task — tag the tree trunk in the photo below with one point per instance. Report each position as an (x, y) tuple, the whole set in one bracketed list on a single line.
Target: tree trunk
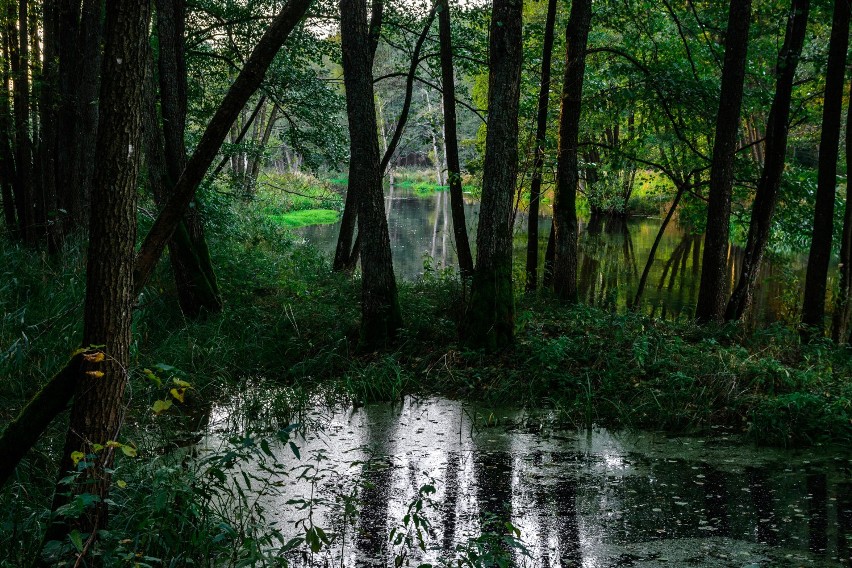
[(380, 313), (241, 90), (97, 412), (7, 159), (49, 123), (23, 146), (714, 288), (540, 141), (257, 163), (840, 329), (813, 308), (348, 249), (773, 158), (490, 314), (567, 173), (451, 141), (198, 290)]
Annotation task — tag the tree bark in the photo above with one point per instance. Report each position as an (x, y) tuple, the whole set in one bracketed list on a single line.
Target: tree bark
[(714, 288), (772, 159), (567, 173), (7, 158), (451, 141), (257, 163), (245, 85), (348, 249), (380, 313), (97, 411), (540, 141), (19, 56), (813, 307), (49, 123), (198, 290), (490, 313), (840, 329)]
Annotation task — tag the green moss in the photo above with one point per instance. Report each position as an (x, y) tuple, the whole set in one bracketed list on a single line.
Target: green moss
[(306, 217)]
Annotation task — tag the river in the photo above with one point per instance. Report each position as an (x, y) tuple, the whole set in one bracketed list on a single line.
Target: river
[(613, 253)]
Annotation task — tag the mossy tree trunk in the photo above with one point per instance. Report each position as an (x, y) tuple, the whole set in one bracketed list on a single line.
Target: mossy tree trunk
[(97, 411), (380, 312), (567, 169), (819, 258), (489, 320), (766, 196), (714, 288)]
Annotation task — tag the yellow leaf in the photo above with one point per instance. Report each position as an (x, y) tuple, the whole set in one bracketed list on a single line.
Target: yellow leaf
[(95, 374), (121, 483), (161, 406), (97, 447), (77, 456), (94, 357), (178, 393), (113, 444), (129, 451), (181, 383)]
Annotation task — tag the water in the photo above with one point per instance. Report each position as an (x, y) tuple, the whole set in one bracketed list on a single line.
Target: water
[(580, 499), (612, 257)]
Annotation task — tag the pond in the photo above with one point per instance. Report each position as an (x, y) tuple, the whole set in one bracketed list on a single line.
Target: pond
[(613, 253), (581, 499)]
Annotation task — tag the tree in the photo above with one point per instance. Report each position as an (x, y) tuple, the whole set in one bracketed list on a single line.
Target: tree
[(451, 143), (96, 414), (567, 174), (540, 139), (713, 290), (489, 320), (775, 153), (813, 307), (380, 312), (840, 329)]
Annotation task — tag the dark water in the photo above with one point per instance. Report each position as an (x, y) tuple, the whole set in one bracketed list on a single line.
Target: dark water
[(587, 499), (613, 253)]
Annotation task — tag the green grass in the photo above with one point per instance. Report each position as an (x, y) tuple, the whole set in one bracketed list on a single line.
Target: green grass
[(306, 217)]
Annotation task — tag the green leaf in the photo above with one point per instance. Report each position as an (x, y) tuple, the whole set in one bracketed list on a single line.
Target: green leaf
[(76, 540), (161, 406), (295, 450)]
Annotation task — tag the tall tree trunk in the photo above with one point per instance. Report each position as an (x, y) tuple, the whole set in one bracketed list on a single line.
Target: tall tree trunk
[(198, 290), (840, 329), (380, 313), (567, 174), (49, 105), (7, 158), (813, 307), (773, 161), (23, 146), (241, 90), (257, 162), (714, 288), (540, 141), (490, 313), (347, 251), (97, 412), (451, 141)]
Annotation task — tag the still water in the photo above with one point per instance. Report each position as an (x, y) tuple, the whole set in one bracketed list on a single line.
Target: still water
[(613, 253), (579, 499)]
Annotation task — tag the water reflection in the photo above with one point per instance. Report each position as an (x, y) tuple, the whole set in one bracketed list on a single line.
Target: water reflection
[(592, 499), (612, 255)]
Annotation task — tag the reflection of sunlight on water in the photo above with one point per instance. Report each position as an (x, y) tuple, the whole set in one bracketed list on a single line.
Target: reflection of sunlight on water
[(592, 499)]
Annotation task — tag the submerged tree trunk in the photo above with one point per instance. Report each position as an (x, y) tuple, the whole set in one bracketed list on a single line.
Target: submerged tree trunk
[(813, 307), (567, 175), (714, 288), (97, 412), (380, 313), (773, 161), (540, 140), (198, 290), (490, 313), (451, 142), (840, 329)]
